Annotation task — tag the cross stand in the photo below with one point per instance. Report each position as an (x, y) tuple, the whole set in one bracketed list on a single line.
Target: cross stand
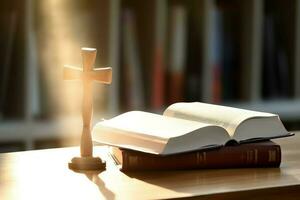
[(103, 75)]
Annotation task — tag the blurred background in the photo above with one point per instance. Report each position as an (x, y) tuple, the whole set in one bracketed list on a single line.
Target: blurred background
[(231, 52)]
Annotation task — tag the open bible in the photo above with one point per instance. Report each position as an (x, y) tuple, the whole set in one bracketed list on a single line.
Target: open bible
[(187, 127)]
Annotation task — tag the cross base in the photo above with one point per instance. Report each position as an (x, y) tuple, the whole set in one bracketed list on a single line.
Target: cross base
[(84, 164)]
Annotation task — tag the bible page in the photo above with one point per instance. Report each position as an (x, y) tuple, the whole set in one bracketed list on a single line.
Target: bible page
[(227, 117), (147, 132)]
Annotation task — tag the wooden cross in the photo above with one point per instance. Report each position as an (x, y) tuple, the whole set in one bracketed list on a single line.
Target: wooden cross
[(87, 74)]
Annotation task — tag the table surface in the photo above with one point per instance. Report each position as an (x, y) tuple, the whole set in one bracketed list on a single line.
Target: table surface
[(43, 174)]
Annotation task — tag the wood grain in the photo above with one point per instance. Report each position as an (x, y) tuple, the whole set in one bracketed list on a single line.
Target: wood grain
[(44, 174)]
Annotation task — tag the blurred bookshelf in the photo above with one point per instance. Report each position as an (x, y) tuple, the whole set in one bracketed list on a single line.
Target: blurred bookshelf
[(237, 53)]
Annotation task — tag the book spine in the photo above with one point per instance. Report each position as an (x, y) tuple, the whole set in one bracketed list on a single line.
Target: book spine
[(158, 73), (216, 54), (228, 157), (177, 53), (132, 63)]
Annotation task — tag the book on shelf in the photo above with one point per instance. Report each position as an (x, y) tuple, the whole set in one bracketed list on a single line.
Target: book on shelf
[(187, 127), (33, 90), (269, 82), (13, 66), (275, 63), (158, 72), (231, 72), (259, 154), (216, 60), (8, 22), (134, 96), (177, 57), (194, 46)]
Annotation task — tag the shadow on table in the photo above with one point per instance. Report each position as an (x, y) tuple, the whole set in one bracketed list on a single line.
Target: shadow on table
[(212, 181), (101, 185)]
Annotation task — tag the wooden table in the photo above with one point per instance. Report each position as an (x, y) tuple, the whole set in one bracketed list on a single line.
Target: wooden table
[(44, 174)]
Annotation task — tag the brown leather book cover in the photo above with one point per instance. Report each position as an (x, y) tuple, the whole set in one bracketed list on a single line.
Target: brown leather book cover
[(259, 154)]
